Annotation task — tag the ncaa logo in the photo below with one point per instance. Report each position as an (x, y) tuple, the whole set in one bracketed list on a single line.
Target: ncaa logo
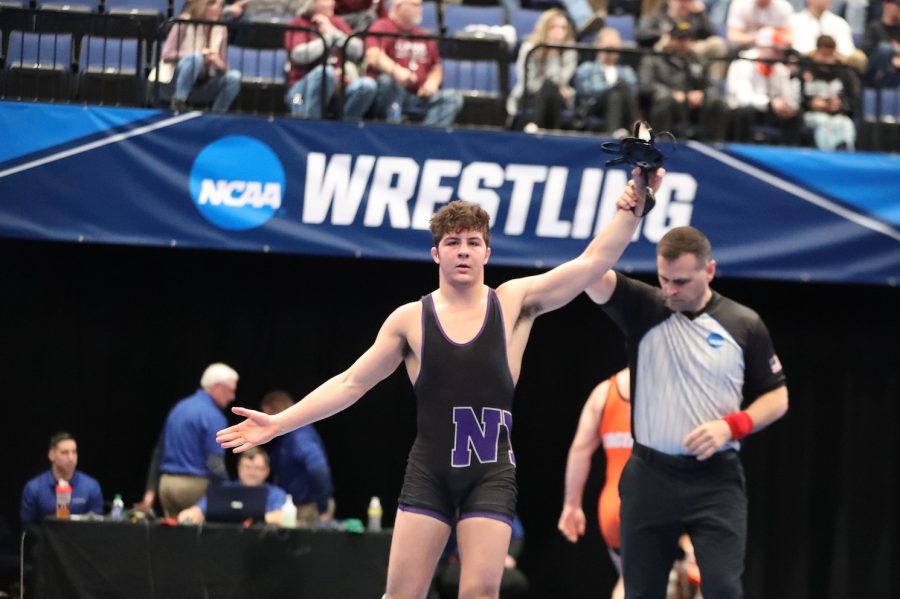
[(237, 183), (715, 340)]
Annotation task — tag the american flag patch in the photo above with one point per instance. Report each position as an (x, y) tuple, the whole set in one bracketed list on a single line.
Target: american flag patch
[(775, 364)]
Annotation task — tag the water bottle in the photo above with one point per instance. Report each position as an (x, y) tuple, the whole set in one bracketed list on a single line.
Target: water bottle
[(118, 509), (289, 513), (298, 108), (374, 524), (63, 499), (395, 113)]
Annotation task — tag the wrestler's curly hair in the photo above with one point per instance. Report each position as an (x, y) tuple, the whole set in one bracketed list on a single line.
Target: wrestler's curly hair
[(460, 215)]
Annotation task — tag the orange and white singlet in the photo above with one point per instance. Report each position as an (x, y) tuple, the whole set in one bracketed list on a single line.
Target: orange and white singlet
[(615, 435)]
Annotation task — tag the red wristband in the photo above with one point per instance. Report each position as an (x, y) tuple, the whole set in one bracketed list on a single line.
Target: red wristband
[(740, 424)]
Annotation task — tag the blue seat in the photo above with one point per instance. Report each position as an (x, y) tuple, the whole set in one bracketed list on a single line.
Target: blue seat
[(263, 78), (457, 16), (38, 66), (523, 21), (71, 6), (885, 108), (624, 24), (160, 8), (109, 69), (429, 17), (472, 75), (258, 65)]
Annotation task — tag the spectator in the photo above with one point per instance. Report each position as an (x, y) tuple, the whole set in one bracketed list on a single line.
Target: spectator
[(360, 14), (39, 494), (301, 466), (409, 70), (881, 44), (306, 49), (252, 470), (654, 29), (761, 92), (684, 99), (747, 17), (194, 61), (606, 89), (817, 20), (187, 456), (829, 90), (542, 88)]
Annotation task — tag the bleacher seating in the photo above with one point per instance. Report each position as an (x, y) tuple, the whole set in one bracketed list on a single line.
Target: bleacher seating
[(263, 78), (458, 16), (110, 70), (38, 66)]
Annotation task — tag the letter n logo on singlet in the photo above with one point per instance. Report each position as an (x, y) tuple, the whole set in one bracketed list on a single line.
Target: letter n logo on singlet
[(481, 436)]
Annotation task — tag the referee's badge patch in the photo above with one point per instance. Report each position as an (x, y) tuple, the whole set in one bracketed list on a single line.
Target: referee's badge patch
[(715, 340)]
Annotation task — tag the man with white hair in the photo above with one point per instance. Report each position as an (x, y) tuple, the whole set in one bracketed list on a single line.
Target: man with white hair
[(187, 456)]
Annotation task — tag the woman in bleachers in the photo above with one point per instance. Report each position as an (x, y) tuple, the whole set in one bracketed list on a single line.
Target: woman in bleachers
[(542, 90), (194, 63)]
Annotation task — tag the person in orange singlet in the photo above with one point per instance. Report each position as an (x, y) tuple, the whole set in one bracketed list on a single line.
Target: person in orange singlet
[(606, 419)]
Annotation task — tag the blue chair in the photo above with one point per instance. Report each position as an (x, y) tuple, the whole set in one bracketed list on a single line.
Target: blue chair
[(429, 17), (472, 75), (624, 24), (523, 21), (38, 66), (263, 78), (457, 16), (154, 8), (109, 69), (71, 6)]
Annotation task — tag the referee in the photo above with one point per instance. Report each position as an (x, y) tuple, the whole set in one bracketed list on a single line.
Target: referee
[(696, 356)]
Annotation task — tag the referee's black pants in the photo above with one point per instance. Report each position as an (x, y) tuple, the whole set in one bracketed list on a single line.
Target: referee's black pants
[(664, 496)]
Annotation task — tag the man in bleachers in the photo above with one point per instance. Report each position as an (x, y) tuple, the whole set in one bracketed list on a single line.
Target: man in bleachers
[(607, 89), (654, 29), (881, 44), (747, 17), (684, 99), (817, 20), (409, 70), (760, 92)]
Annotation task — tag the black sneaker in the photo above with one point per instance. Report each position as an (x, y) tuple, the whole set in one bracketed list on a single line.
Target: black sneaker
[(178, 105)]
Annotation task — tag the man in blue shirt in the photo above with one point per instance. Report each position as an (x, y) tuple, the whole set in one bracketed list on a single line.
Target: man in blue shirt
[(301, 466), (39, 494), (252, 471), (187, 456)]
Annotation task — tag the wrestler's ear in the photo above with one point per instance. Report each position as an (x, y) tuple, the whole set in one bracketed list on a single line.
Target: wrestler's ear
[(435, 256), (487, 254)]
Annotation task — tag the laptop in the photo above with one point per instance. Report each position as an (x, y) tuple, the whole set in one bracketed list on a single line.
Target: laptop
[(236, 503)]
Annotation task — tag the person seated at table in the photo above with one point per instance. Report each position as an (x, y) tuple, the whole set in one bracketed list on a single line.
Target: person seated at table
[(300, 465), (253, 470), (39, 494)]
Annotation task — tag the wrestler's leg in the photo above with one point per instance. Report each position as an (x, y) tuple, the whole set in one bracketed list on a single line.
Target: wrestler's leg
[(416, 546), (483, 547)]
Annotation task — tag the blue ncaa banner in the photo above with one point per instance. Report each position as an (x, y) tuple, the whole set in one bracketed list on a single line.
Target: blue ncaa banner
[(148, 177)]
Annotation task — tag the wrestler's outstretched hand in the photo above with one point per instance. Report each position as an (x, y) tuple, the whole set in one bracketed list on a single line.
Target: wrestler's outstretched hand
[(257, 429)]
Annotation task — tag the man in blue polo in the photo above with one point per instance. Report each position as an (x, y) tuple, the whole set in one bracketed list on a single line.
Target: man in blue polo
[(39, 494), (300, 466), (187, 456)]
